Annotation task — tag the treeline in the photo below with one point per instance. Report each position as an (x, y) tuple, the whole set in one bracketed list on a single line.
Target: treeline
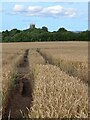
[(42, 34)]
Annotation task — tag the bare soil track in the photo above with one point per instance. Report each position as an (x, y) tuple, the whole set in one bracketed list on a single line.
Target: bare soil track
[(21, 97)]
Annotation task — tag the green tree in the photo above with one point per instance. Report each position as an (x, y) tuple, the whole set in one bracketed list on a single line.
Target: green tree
[(45, 29), (62, 30)]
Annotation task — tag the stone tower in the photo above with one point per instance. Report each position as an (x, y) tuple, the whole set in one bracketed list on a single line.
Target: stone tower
[(32, 25)]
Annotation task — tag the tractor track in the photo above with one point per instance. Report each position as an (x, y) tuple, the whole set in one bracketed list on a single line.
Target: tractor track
[(21, 97)]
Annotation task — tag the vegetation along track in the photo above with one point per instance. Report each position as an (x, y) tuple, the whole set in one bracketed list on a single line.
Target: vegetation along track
[(20, 97), (47, 61)]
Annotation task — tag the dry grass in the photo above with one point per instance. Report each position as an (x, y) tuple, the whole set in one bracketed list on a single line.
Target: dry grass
[(57, 95)]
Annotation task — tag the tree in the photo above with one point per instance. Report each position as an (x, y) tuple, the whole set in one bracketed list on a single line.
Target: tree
[(45, 29), (62, 30), (14, 31), (42, 34)]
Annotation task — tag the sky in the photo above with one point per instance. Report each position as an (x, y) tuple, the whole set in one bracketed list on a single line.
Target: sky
[(54, 15)]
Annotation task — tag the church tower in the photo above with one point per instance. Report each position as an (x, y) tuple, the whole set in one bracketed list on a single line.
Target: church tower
[(32, 25)]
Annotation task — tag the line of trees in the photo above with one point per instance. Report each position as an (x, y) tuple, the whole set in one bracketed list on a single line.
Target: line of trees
[(42, 34)]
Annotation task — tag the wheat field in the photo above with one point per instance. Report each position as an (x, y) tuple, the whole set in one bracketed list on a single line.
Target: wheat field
[(58, 95), (60, 77)]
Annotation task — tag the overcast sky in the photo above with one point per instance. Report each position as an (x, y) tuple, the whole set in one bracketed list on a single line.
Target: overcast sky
[(71, 15)]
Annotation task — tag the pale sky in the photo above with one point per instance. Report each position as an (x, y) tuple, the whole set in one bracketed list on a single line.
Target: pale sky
[(71, 15)]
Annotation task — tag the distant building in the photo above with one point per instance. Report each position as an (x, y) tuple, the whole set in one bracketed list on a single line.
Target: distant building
[(32, 25)]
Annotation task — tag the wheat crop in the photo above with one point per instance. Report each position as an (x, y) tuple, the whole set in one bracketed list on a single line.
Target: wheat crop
[(35, 58), (57, 95), (58, 89), (71, 58)]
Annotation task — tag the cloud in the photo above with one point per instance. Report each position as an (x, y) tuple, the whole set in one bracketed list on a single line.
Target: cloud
[(51, 11), (18, 8), (34, 10), (70, 13)]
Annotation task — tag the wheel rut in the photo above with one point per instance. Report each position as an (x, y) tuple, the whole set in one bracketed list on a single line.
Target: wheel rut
[(21, 97)]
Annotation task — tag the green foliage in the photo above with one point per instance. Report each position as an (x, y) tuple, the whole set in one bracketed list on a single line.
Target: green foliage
[(45, 29), (62, 29), (37, 34)]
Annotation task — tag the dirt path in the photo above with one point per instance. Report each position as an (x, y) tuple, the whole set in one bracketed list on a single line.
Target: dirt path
[(21, 97)]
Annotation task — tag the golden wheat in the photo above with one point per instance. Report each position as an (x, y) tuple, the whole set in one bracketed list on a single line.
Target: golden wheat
[(70, 58), (35, 58), (57, 95)]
